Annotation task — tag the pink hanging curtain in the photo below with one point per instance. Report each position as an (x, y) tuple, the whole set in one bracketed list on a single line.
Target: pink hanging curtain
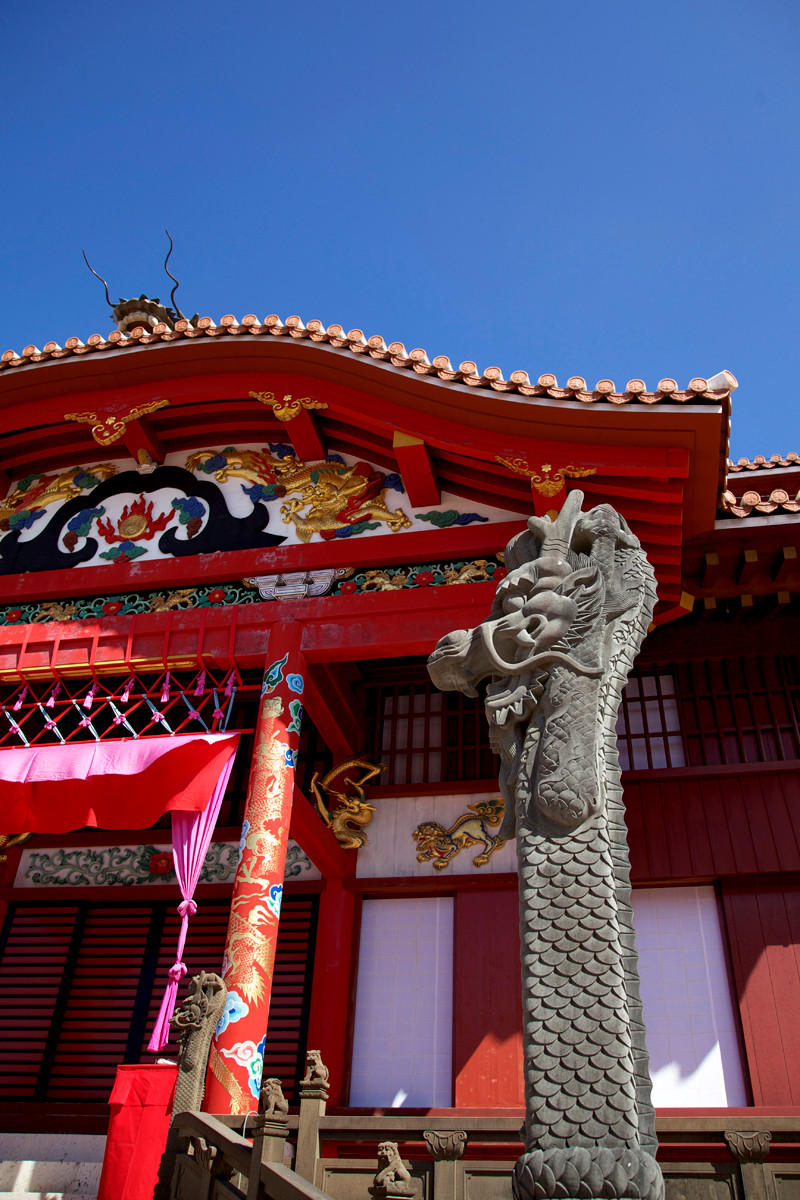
[(126, 784), (191, 835)]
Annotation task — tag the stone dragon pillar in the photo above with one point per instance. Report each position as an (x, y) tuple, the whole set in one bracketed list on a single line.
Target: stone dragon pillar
[(565, 627)]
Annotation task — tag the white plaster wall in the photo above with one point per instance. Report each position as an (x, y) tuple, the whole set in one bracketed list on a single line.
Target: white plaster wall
[(392, 850), (688, 1011), (402, 1046)]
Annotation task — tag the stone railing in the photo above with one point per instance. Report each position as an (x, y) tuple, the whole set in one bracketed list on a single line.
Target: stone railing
[(352, 1155), (215, 1162), (454, 1157)]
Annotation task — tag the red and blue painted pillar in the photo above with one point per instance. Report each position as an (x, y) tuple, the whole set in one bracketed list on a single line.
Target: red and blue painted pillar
[(235, 1065)]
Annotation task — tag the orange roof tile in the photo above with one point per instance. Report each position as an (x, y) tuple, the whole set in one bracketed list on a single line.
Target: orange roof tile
[(375, 347), (760, 463)]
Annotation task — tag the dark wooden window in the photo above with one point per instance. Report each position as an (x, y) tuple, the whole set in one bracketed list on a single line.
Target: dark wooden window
[(739, 710), (648, 725), (699, 713), (427, 736), (81, 983)]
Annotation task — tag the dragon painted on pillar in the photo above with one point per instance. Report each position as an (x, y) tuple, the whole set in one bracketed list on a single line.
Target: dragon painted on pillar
[(565, 626)]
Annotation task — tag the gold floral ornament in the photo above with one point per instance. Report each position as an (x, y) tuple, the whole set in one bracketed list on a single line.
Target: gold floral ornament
[(351, 809), (287, 408), (108, 428), (547, 481)]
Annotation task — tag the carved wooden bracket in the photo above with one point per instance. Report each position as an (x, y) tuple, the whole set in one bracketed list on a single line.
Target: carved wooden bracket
[(446, 1145), (748, 1147)]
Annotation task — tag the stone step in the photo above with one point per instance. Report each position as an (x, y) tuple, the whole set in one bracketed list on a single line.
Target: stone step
[(41, 1196), (24, 1178)]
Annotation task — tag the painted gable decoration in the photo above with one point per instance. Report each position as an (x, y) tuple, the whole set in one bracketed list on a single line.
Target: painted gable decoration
[(166, 513), (236, 498)]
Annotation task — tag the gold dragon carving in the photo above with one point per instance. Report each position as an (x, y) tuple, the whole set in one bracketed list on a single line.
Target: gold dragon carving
[(7, 840), (329, 494), (351, 810), (52, 489)]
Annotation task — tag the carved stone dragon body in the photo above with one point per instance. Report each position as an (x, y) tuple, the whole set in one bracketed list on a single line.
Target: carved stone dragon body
[(566, 624)]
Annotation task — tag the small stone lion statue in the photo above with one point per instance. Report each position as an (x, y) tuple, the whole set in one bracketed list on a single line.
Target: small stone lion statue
[(317, 1073), (392, 1177), (274, 1104)]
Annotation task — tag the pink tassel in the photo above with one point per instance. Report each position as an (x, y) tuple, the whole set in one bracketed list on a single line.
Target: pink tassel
[(90, 695), (165, 689), (201, 684), (229, 686), (124, 698), (51, 700), (20, 700), (160, 1034)]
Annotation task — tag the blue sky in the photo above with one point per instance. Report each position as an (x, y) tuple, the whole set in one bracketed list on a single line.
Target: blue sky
[(607, 189)]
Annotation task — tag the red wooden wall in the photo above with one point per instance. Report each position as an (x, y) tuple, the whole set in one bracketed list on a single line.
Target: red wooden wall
[(487, 1034), (763, 919), (703, 823)]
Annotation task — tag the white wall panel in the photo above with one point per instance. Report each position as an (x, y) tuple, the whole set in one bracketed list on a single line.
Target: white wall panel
[(691, 1028), (402, 1045)]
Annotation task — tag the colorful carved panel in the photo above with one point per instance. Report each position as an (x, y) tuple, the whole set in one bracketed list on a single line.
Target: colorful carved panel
[(211, 500)]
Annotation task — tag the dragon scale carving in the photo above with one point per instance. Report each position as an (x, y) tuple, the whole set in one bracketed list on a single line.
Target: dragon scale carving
[(565, 626)]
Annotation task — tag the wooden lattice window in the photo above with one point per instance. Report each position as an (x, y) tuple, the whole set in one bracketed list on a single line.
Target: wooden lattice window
[(699, 713), (81, 983), (740, 710), (423, 735), (649, 725)]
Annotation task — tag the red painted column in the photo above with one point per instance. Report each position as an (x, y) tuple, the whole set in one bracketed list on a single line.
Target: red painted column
[(333, 984), (235, 1064)]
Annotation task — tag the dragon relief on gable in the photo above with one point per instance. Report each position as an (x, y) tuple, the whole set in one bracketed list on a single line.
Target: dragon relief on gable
[(327, 497), (440, 846)]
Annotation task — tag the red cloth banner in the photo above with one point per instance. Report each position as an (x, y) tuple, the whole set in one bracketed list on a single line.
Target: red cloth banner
[(114, 785), (141, 1101)]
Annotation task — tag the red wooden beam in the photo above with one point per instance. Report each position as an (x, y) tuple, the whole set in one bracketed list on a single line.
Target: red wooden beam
[(330, 707), (317, 841), (303, 432), (416, 466), (167, 573), (140, 435)]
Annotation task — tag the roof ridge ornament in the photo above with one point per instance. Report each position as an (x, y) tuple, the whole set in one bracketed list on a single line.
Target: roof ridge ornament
[(145, 312)]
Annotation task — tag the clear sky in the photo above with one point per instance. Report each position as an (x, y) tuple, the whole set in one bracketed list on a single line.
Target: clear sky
[(606, 188)]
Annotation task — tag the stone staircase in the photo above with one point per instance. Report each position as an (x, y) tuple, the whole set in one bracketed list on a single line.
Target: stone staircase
[(50, 1166)]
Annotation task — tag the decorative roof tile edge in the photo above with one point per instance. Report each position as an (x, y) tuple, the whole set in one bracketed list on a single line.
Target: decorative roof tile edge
[(394, 353), (778, 500), (760, 463)]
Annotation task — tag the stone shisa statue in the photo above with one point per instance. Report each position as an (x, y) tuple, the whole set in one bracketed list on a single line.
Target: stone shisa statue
[(565, 627)]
